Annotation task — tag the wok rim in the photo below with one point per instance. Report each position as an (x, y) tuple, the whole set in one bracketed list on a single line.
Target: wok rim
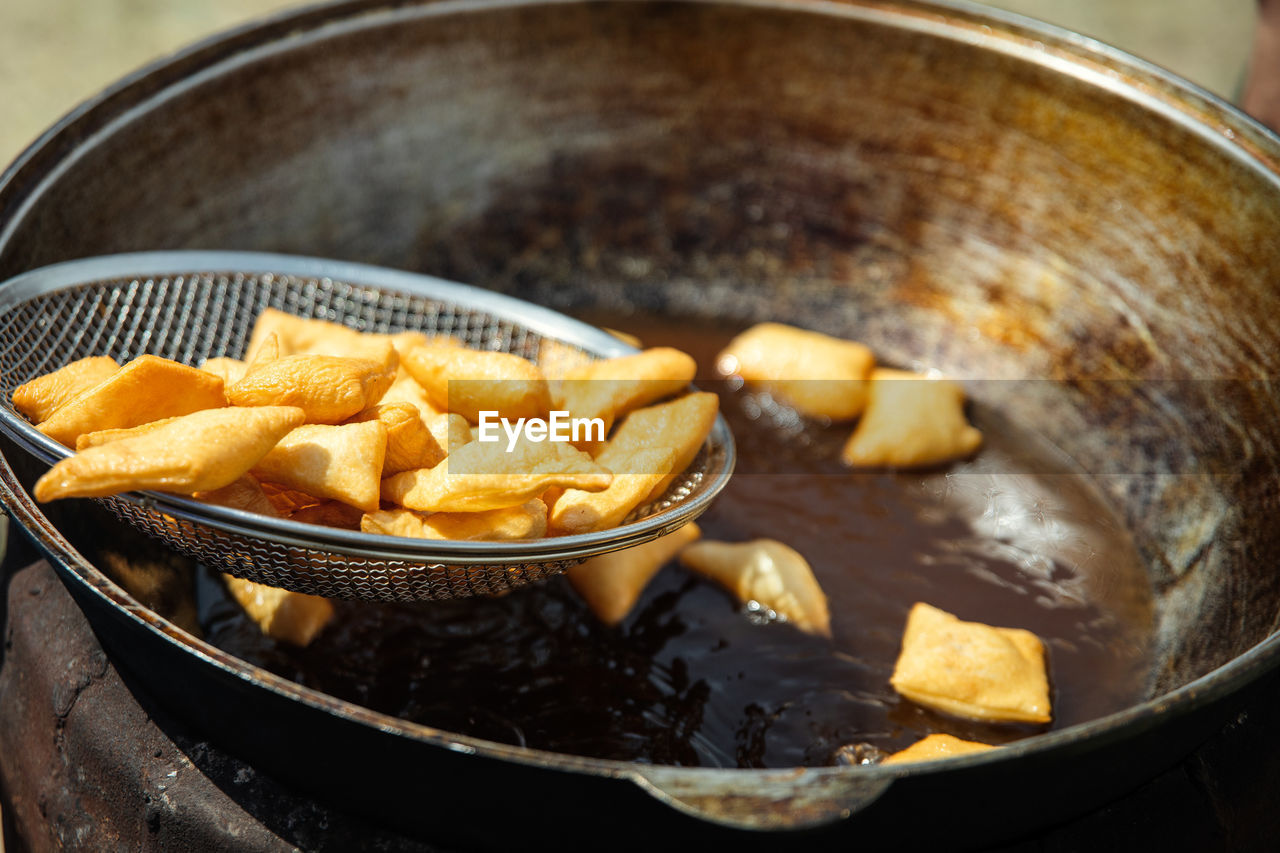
[(1211, 118)]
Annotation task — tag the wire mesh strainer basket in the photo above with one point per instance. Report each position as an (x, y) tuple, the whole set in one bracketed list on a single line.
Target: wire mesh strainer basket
[(189, 306)]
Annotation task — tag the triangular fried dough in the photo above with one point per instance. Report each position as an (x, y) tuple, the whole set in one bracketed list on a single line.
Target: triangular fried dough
[(936, 746), (972, 670), (328, 388), (146, 389), (634, 478), (766, 571), (527, 521), (682, 425), (293, 617), (41, 397), (611, 583), (911, 421), (484, 475), (467, 382), (199, 452), (409, 443), (341, 463), (611, 387), (816, 374)]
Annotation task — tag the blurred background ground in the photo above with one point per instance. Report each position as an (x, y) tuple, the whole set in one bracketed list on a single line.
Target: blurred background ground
[(56, 53)]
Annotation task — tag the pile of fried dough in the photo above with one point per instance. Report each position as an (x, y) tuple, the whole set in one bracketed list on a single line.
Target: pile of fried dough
[(327, 425)]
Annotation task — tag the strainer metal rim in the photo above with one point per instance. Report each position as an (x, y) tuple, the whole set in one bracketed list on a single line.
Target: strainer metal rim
[(536, 318)]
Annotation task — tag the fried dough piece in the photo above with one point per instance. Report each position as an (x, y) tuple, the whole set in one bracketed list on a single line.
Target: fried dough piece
[(293, 617), (816, 374), (229, 370), (246, 494), (972, 670), (41, 397), (611, 387), (911, 421), (405, 389), (449, 431), (936, 746), (330, 514), (483, 475), (682, 425), (106, 436), (527, 521), (467, 382), (146, 389), (612, 583), (330, 389), (199, 452), (766, 571), (341, 463), (288, 501), (556, 359), (409, 443), (634, 478)]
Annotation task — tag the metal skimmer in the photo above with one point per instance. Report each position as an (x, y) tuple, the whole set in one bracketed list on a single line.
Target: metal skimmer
[(189, 306)]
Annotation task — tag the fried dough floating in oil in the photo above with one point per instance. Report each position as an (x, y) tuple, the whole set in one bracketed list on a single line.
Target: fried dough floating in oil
[(816, 374), (293, 617), (339, 463), (328, 388), (972, 670), (768, 572), (527, 521), (936, 746), (484, 475), (467, 382), (41, 397), (146, 389), (911, 421), (198, 452), (612, 583)]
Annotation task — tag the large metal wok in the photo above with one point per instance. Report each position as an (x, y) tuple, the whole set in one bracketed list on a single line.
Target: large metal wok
[(969, 190)]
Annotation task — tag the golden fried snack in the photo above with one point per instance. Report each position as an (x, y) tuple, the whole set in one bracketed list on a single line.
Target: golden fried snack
[(146, 389), (911, 421), (229, 370), (527, 521), (972, 670), (288, 501), (106, 436), (936, 746), (409, 443), (330, 514), (467, 382), (612, 583), (634, 477), (816, 374), (293, 617), (340, 463), (39, 398), (328, 388), (246, 494), (449, 431), (611, 387), (556, 358), (199, 452), (405, 389), (481, 476), (766, 571), (682, 425)]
